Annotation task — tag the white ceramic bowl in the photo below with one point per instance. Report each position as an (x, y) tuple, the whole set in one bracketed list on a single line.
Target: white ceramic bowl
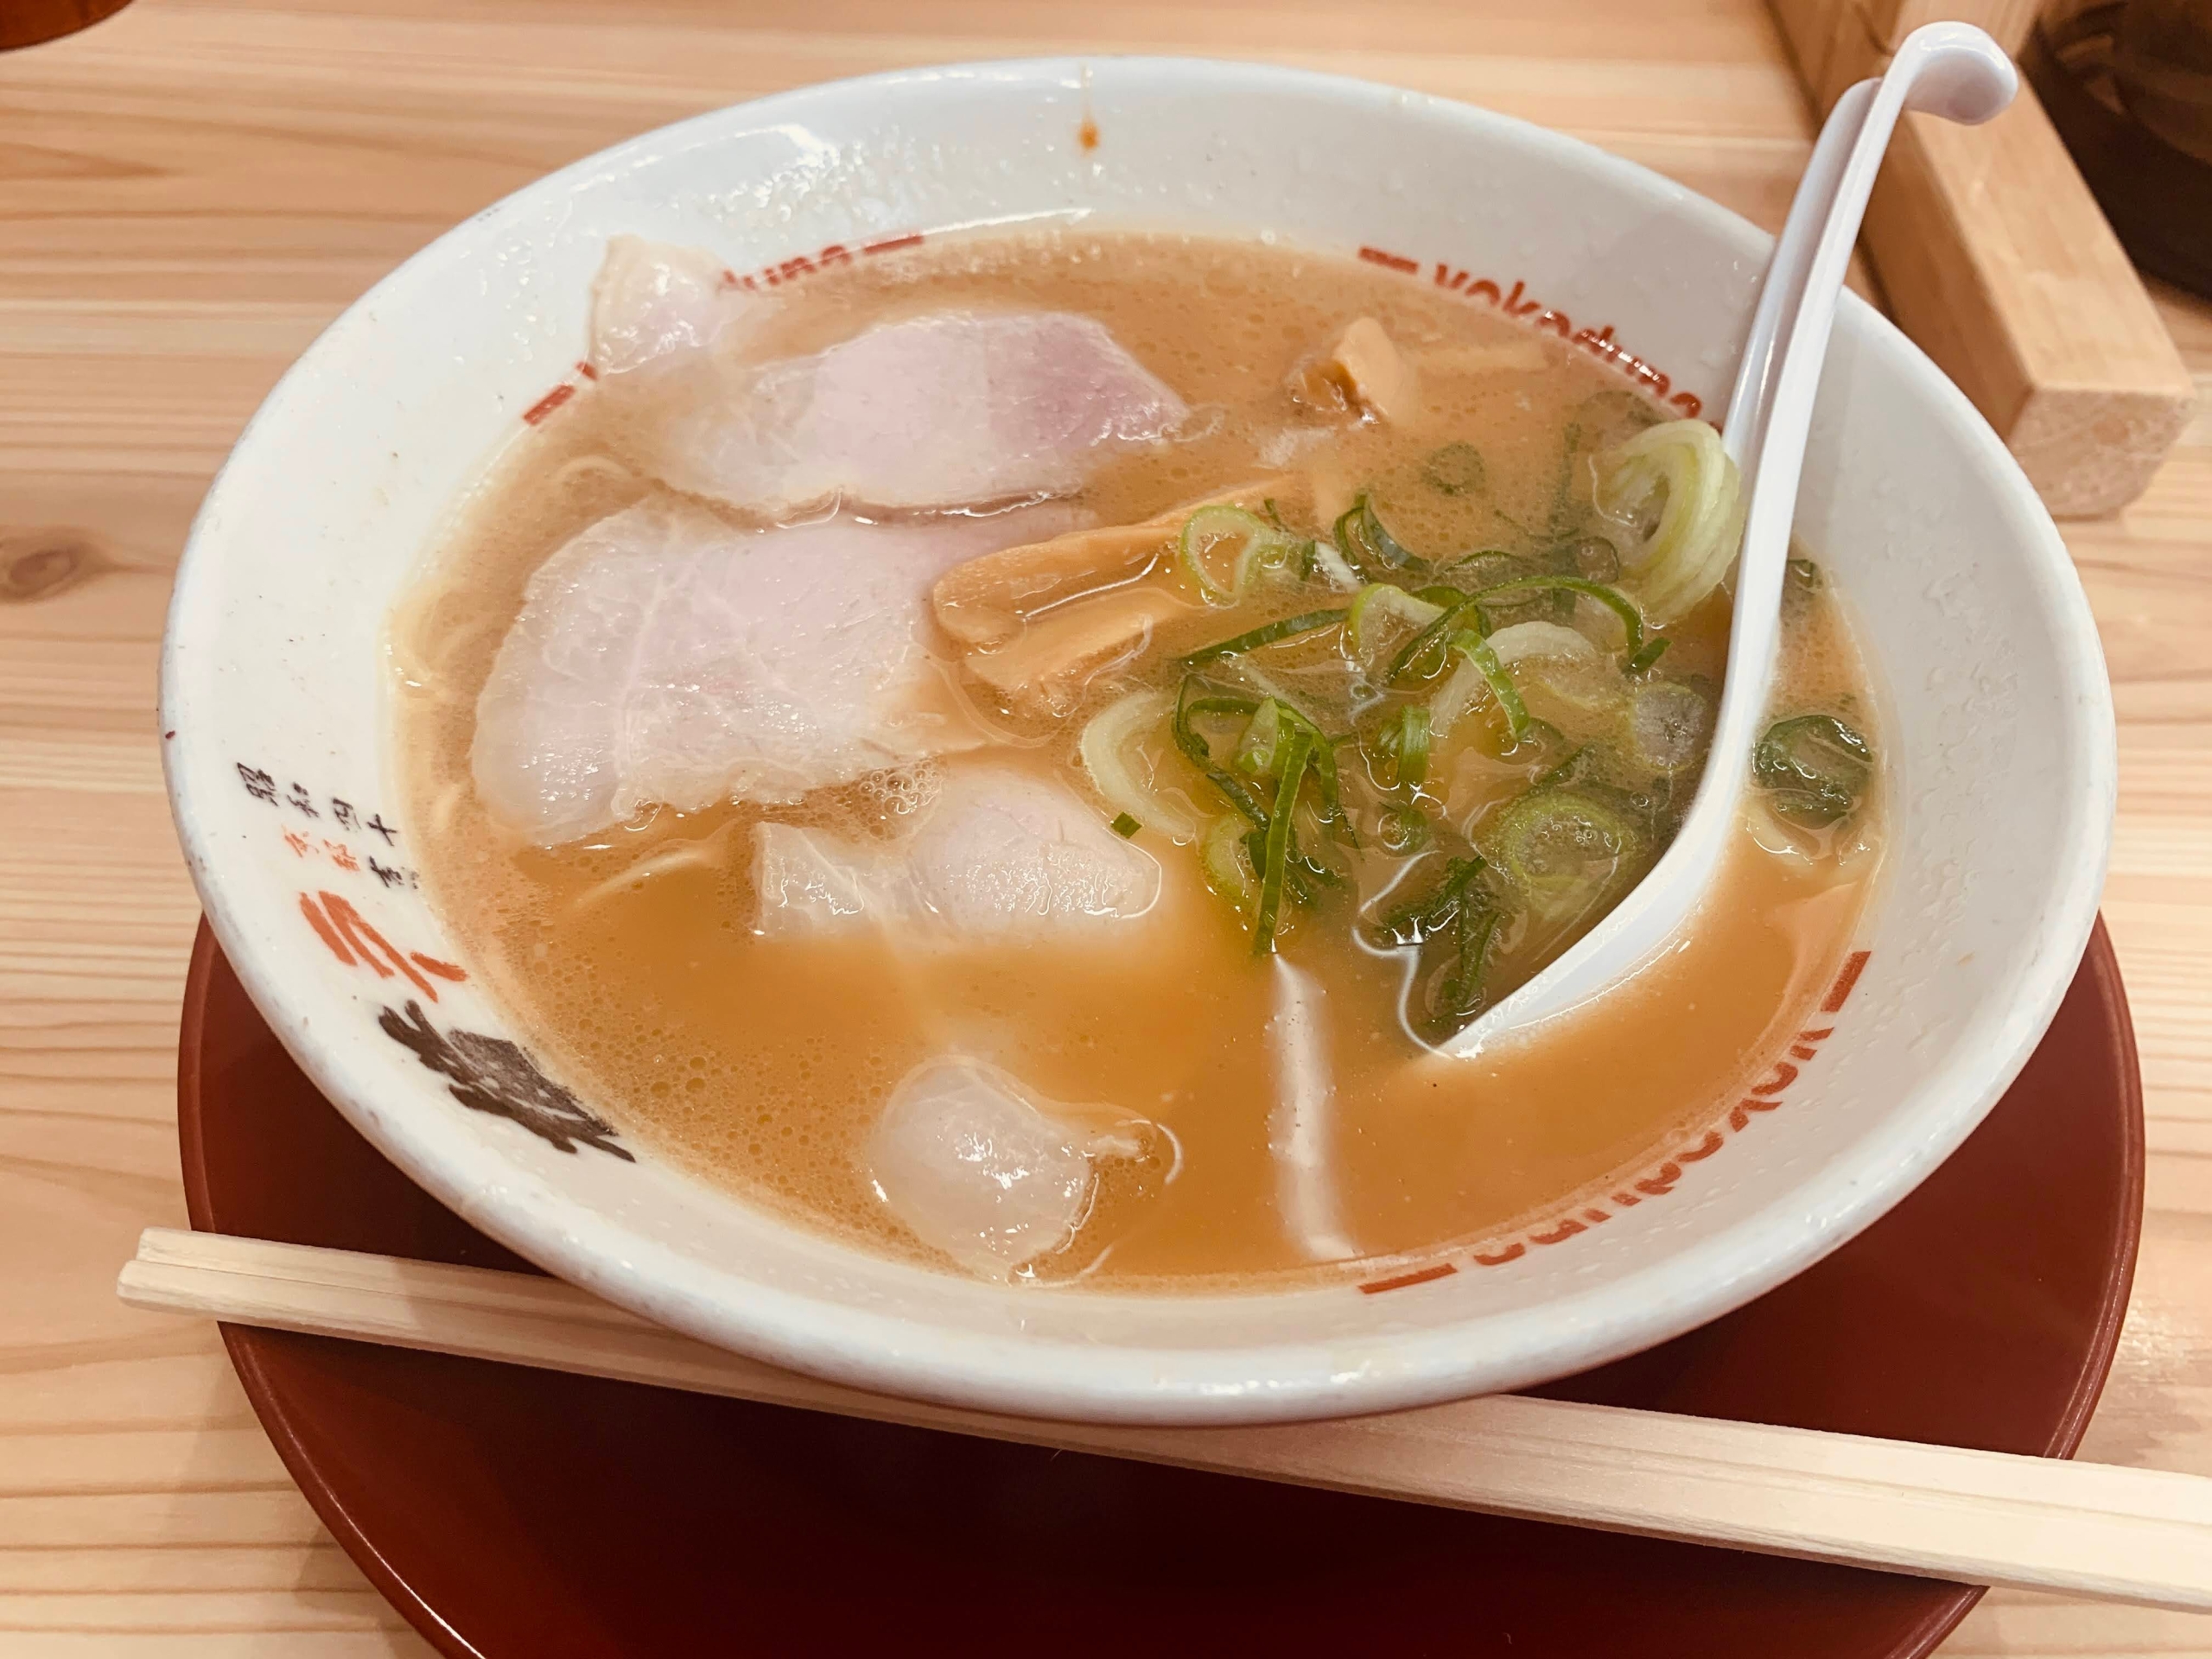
[(2001, 735)]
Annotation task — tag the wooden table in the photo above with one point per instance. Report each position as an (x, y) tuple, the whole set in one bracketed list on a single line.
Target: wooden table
[(190, 191)]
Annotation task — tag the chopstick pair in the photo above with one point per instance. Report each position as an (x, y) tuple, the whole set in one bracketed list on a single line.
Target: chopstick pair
[(1979, 1517)]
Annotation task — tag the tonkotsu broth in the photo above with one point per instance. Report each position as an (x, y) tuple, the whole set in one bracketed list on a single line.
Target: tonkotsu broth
[(764, 1065)]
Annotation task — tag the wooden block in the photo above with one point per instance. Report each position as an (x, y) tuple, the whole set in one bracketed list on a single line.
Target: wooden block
[(1997, 262), (1853, 56), (1888, 22), (1996, 259), (1830, 44), (1805, 26), (1835, 43)]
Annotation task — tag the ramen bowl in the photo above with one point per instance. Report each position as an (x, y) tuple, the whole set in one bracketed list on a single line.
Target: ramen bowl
[(1999, 730)]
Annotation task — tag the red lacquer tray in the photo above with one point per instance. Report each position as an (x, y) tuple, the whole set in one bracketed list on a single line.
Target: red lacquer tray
[(522, 1515)]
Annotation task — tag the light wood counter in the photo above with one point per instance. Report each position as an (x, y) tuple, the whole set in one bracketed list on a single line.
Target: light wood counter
[(190, 191)]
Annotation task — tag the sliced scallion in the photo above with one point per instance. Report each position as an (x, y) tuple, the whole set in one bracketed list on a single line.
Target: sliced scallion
[(1429, 915), (1377, 536), (1124, 825), (1367, 545), (1272, 634), (1255, 750), (1333, 815), (1402, 829), (1456, 469), (1223, 546), (1669, 724), (1404, 742), (1222, 852), (1584, 762), (1328, 563), (1378, 602), (1613, 599), (1676, 497), (1200, 752), (1461, 993), (1476, 651), (1562, 848), (1816, 768), (1110, 751), (1486, 567), (1524, 642), (1427, 651), (1298, 748), (1563, 490)]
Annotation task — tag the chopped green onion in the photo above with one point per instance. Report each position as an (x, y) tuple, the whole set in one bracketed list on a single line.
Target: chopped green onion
[(1456, 469), (1463, 987), (1612, 598), (1124, 825), (1300, 871), (1222, 853), (1118, 768), (1816, 767), (1324, 762), (1427, 651), (1476, 651), (1377, 536), (1200, 752), (1555, 521), (1463, 688), (1345, 533), (1255, 750), (1247, 539), (1402, 829), (1368, 547), (1413, 746), (1582, 763), (1333, 815), (1486, 567), (1668, 724), (1562, 846), (1404, 742), (1288, 629), (1378, 599), (1674, 490), (1298, 749), (1328, 563), (1804, 575), (1426, 917), (1540, 641)]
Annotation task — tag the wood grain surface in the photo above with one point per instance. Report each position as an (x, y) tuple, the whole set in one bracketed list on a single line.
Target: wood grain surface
[(189, 191)]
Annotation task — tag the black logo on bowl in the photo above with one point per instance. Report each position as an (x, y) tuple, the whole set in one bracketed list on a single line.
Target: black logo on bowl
[(490, 1074)]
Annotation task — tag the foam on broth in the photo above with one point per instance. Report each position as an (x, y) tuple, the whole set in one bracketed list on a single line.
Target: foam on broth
[(628, 964)]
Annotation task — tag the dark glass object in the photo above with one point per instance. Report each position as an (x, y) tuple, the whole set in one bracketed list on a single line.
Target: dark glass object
[(2128, 85)]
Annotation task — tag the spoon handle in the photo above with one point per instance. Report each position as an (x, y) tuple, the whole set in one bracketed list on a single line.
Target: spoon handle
[(1784, 287), (1949, 69)]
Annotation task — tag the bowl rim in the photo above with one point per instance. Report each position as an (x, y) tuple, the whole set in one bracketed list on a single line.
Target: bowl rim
[(892, 1353)]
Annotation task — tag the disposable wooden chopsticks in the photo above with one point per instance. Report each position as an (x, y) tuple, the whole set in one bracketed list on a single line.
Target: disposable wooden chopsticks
[(1979, 1517)]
